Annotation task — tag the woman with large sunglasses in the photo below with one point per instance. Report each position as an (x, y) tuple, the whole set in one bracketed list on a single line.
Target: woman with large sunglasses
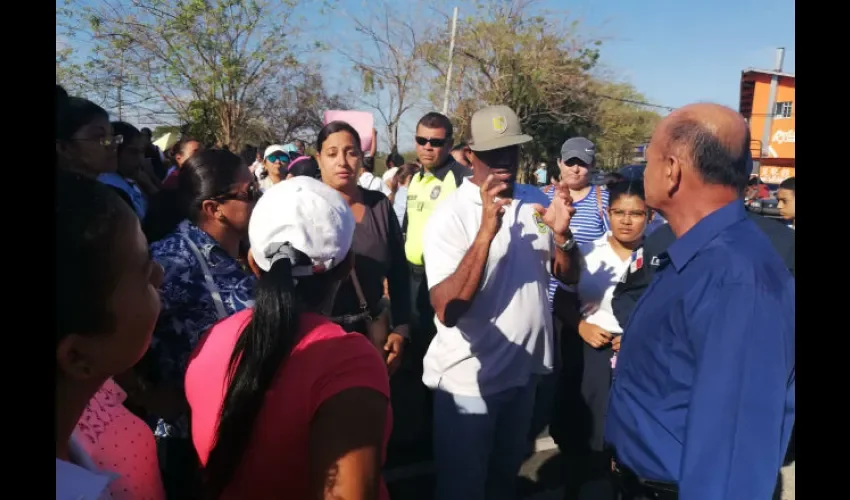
[(206, 280), (275, 164)]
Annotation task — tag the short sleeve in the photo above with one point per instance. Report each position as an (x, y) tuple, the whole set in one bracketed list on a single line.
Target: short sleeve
[(445, 243), (351, 361)]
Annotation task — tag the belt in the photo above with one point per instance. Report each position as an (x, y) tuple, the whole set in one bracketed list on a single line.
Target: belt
[(633, 486), (416, 270)]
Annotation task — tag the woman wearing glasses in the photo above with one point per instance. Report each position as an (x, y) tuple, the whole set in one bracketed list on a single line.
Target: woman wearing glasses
[(275, 165), (205, 281), (606, 260), (85, 143)]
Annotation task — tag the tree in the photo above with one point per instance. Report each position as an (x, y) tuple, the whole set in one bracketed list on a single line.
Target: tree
[(509, 53), (226, 54), (621, 123), (389, 61), (294, 111)]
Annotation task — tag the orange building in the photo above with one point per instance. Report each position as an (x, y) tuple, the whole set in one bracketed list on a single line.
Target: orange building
[(768, 104)]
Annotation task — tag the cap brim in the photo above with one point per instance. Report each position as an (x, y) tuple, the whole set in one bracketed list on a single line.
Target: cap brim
[(581, 155), (501, 142)]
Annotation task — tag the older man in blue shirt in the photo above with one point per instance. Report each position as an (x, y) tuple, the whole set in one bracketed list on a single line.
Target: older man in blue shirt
[(702, 404)]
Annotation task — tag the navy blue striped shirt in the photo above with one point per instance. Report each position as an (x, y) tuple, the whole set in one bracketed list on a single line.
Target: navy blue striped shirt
[(589, 223)]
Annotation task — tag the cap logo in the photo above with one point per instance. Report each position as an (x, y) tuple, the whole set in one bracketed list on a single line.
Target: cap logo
[(500, 124)]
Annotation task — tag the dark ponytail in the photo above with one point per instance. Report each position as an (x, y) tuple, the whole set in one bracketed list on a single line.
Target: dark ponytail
[(261, 349), (204, 175)]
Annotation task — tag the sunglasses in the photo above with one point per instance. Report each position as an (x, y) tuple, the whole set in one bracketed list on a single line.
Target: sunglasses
[(436, 142), (252, 193), (105, 141), (277, 156)]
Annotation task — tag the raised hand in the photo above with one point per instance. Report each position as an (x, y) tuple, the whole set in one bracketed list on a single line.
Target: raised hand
[(492, 208)]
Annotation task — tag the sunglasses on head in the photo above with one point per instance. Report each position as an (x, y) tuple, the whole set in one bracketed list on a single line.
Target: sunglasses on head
[(436, 142), (283, 157)]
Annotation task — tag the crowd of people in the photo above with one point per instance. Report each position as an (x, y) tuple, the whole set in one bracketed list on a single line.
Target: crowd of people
[(236, 326)]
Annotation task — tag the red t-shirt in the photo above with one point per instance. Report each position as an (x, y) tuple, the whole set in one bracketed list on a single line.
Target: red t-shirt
[(325, 361)]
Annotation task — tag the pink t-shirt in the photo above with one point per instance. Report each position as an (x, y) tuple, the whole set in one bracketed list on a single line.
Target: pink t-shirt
[(325, 361), (118, 441)]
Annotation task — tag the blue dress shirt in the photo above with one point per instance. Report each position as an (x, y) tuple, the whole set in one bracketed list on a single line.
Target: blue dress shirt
[(704, 386)]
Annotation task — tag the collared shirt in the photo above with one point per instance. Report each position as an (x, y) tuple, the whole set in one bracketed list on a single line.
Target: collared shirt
[(705, 380), (128, 187), (425, 192), (81, 480), (645, 261), (190, 305), (506, 334), (600, 273)]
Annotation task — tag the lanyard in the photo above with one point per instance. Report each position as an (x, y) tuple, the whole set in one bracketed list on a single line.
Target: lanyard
[(211, 286)]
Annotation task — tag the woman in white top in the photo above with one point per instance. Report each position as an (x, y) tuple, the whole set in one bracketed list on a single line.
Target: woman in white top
[(107, 304), (605, 261)]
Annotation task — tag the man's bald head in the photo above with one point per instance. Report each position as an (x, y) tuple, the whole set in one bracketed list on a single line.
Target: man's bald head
[(716, 139)]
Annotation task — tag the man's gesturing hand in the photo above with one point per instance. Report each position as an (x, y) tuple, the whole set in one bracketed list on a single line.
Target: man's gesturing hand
[(560, 211), (492, 208)]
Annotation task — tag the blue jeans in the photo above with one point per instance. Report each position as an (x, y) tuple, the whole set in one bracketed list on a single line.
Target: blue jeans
[(481, 442)]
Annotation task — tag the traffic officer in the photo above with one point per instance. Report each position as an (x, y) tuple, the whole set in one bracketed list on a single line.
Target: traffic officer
[(440, 176)]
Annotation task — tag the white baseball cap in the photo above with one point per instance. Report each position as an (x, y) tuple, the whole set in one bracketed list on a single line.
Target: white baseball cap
[(273, 149), (304, 215)]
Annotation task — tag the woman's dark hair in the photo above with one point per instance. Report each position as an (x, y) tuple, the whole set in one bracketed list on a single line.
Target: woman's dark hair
[(204, 176), (261, 350), (89, 216), (620, 189), (308, 167), (406, 171), (127, 131), (334, 127), (613, 178), (249, 154), (75, 114)]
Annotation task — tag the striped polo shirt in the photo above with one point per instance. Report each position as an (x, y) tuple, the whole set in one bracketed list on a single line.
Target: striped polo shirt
[(588, 224)]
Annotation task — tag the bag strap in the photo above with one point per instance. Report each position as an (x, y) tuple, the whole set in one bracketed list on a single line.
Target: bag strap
[(602, 217), (211, 286), (364, 306)]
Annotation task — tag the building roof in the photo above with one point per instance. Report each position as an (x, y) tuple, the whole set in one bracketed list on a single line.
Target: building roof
[(767, 72)]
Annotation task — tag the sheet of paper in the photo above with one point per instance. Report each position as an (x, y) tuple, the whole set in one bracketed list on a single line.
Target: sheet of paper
[(362, 121)]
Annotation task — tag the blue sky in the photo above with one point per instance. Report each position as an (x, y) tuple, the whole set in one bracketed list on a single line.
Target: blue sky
[(674, 52)]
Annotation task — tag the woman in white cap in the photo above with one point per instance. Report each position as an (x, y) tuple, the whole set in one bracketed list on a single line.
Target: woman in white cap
[(275, 163), (284, 402)]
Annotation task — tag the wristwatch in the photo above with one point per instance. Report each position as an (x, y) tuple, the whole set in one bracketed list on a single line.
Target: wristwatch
[(568, 245)]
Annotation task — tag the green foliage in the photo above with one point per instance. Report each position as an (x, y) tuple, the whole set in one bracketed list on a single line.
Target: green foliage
[(214, 64)]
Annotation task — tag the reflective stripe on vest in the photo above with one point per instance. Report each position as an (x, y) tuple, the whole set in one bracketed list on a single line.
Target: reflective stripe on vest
[(424, 193)]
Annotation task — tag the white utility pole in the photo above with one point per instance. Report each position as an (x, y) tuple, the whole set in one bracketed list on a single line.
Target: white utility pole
[(449, 72)]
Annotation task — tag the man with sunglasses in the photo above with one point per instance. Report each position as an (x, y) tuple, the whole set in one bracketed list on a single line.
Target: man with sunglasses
[(440, 176)]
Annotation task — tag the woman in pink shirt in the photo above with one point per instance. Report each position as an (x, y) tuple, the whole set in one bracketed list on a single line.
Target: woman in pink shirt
[(285, 403)]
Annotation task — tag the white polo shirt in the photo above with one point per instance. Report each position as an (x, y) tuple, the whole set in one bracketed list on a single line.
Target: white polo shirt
[(601, 272), (506, 334)]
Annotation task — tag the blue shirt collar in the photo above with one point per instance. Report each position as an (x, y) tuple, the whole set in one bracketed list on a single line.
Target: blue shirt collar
[(689, 244)]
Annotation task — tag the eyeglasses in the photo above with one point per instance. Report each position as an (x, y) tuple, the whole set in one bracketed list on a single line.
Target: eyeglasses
[(437, 142), (622, 214), (252, 193), (284, 158), (104, 141)]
